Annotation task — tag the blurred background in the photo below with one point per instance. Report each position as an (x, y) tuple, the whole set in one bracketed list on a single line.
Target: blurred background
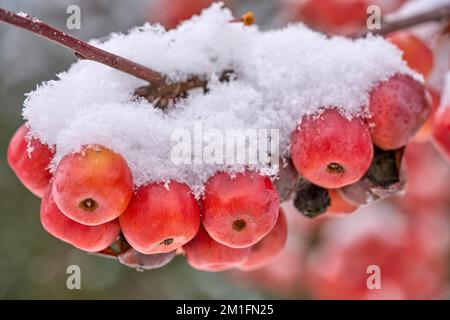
[(407, 236)]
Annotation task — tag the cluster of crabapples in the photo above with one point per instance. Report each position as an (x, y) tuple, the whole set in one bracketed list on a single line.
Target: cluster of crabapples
[(341, 161), (90, 202), (346, 162)]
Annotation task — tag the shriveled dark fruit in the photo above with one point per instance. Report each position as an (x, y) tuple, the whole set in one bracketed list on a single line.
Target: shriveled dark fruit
[(136, 260), (287, 180), (311, 200), (384, 178), (385, 167)]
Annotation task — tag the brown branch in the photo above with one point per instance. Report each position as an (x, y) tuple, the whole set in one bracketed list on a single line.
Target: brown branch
[(80, 48), (164, 95), (437, 15)]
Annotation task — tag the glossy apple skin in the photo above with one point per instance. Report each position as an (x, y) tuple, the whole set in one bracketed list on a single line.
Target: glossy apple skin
[(398, 107), (320, 142), (206, 254), (87, 238), (269, 248), (239, 211), (32, 169), (416, 53), (160, 219), (95, 173)]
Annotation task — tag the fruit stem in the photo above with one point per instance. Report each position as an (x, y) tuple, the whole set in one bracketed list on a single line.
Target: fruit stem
[(439, 14), (80, 48)]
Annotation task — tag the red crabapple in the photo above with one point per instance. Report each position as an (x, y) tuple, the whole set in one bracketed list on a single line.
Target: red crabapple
[(32, 168), (136, 260), (339, 204), (93, 186), (238, 211), (87, 238), (398, 107), (330, 150), (416, 53), (204, 253), (441, 131), (161, 218), (269, 248)]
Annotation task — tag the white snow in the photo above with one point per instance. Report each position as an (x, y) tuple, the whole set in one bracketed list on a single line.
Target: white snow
[(281, 75), (23, 14)]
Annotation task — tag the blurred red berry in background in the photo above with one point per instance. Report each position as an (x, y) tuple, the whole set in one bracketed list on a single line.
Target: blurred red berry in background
[(406, 269), (441, 131), (424, 133), (340, 16), (416, 53), (170, 13)]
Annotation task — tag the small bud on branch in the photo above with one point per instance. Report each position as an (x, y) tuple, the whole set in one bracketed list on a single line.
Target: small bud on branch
[(247, 19)]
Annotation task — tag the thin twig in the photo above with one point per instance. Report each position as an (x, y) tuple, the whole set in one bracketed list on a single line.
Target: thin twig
[(80, 48), (439, 14)]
